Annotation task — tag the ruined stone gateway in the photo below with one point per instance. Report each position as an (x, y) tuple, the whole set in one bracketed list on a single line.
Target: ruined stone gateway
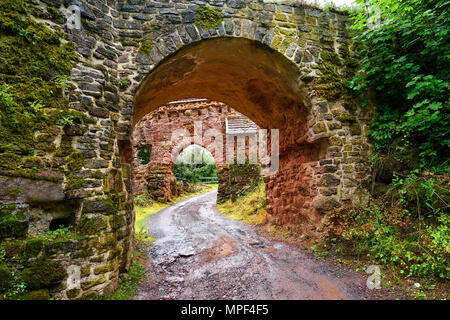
[(208, 124), (283, 66)]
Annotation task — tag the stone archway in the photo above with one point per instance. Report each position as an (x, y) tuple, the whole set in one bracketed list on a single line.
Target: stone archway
[(267, 87), (278, 64)]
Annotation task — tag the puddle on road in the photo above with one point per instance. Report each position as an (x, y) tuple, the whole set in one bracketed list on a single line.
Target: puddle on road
[(222, 247)]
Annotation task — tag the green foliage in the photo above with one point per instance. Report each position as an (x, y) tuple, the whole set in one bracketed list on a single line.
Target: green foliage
[(208, 17), (59, 234), (43, 274), (143, 200), (390, 235), (405, 49), (193, 172), (186, 169), (144, 156), (125, 83), (249, 208)]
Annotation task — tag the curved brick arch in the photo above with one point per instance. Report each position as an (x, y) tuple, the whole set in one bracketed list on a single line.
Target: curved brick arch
[(156, 129)]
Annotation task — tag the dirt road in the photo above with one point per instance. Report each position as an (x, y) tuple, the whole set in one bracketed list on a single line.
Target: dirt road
[(200, 254)]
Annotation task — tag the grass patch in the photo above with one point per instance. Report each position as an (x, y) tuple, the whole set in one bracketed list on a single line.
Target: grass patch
[(128, 282), (249, 208)]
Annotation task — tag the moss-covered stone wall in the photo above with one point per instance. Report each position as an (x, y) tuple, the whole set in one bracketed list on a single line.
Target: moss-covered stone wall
[(64, 199), (236, 180)]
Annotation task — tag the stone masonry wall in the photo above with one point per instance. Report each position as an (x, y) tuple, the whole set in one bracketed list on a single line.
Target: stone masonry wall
[(79, 173)]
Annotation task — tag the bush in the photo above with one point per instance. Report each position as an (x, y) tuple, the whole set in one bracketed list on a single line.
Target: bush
[(388, 234)]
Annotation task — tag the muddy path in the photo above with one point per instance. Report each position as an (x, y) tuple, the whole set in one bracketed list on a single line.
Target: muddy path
[(200, 254)]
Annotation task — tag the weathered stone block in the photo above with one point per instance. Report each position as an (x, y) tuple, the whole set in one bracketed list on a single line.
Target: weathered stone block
[(104, 206), (20, 190), (92, 224), (329, 180), (6, 278)]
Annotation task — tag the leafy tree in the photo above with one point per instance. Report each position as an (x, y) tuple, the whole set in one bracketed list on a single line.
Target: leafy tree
[(405, 47), (186, 169)]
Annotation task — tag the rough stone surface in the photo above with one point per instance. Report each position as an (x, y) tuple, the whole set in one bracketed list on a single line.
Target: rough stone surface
[(264, 60), (154, 133)]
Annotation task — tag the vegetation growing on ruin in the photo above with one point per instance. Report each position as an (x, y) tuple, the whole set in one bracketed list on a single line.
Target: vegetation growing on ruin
[(249, 208), (404, 61), (128, 282), (74, 182), (208, 17), (408, 228), (145, 46), (337, 70)]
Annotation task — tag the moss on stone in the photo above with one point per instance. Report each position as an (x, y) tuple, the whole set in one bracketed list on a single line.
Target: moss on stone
[(73, 293), (9, 160), (337, 71), (42, 294), (105, 268), (208, 17), (96, 174), (91, 224), (43, 274), (101, 205), (331, 80), (145, 47), (92, 283), (344, 116), (355, 129), (6, 278), (14, 192), (13, 222), (33, 247), (75, 161)]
